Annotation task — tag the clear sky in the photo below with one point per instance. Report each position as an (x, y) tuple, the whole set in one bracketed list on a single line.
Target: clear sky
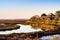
[(23, 9)]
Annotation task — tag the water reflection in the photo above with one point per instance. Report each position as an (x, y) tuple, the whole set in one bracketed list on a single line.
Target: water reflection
[(22, 29), (51, 37), (27, 28)]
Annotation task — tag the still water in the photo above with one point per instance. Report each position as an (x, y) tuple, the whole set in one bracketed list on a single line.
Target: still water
[(22, 29), (51, 37), (27, 29)]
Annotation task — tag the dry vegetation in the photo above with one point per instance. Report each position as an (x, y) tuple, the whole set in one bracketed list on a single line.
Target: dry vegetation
[(50, 21)]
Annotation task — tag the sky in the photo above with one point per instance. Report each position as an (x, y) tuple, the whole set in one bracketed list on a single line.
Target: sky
[(24, 9)]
